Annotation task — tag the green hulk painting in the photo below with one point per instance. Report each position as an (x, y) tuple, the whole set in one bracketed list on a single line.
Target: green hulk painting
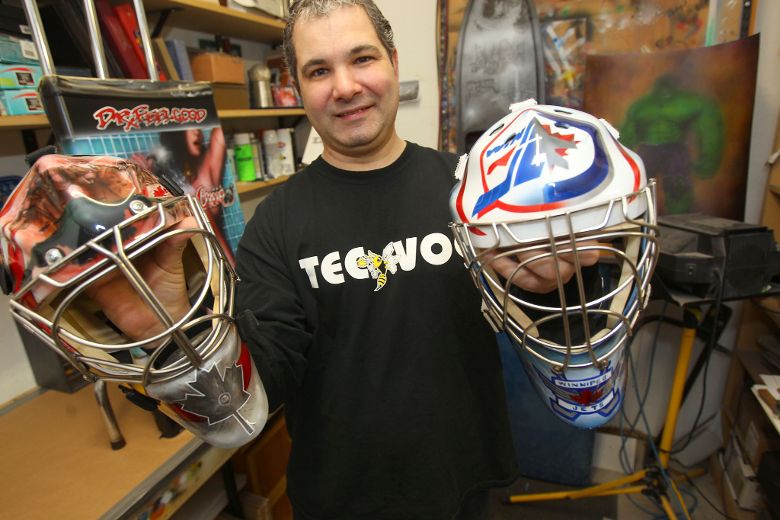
[(679, 134)]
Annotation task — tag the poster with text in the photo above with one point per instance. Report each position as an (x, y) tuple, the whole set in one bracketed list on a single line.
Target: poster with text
[(171, 128)]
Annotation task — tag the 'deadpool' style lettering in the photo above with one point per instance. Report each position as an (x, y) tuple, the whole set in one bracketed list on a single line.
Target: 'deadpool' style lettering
[(141, 115)]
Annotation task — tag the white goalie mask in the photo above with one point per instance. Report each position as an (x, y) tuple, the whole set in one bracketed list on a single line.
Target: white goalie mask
[(550, 189), (76, 224)]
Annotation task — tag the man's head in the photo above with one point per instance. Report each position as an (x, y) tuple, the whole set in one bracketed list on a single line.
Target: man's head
[(305, 9), (346, 70)]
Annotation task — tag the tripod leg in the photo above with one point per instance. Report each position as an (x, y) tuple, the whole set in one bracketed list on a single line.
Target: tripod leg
[(114, 435), (607, 488), (675, 398)]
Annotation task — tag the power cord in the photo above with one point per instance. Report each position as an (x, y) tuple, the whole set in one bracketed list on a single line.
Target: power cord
[(662, 472), (704, 497), (709, 349)]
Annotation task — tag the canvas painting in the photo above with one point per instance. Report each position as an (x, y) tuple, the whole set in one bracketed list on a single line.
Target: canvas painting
[(688, 114)]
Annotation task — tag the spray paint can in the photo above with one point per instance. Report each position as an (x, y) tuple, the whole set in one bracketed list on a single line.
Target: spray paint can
[(242, 149)]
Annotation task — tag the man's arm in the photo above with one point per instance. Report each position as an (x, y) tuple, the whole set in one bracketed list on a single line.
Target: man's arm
[(272, 319)]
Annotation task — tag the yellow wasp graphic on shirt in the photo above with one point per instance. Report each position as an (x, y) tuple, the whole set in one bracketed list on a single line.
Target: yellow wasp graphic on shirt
[(379, 265)]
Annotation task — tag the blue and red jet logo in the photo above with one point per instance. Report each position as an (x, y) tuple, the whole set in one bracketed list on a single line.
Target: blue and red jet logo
[(546, 164)]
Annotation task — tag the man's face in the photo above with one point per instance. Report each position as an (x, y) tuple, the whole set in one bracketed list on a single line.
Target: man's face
[(348, 83)]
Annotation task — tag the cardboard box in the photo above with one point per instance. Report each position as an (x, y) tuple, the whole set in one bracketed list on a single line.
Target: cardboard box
[(19, 75), (755, 434), (218, 67), (255, 507), (740, 477), (228, 96), (19, 102), (17, 50)]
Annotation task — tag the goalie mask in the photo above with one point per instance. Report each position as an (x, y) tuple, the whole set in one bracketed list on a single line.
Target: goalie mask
[(79, 230), (551, 190)]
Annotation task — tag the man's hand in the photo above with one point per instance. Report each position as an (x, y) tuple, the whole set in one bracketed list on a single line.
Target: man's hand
[(163, 271), (539, 276)]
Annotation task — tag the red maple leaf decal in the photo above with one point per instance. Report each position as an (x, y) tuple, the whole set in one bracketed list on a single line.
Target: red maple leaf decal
[(570, 137), (587, 396)]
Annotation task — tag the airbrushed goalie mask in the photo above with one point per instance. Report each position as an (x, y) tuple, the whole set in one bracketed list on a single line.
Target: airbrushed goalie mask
[(549, 189), (77, 227)]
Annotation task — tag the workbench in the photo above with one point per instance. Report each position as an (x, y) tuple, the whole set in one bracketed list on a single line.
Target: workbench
[(57, 461)]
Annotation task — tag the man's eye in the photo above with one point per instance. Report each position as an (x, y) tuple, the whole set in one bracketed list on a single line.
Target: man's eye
[(364, 59), (317, 73)]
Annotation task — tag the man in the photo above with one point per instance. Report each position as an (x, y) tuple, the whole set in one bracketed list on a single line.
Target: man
[(368, 328), (358, 312)]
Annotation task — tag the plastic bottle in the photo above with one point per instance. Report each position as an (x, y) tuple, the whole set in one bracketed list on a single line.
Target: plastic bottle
[(245, 165), (257, 156), (285, 148), (273, 166)]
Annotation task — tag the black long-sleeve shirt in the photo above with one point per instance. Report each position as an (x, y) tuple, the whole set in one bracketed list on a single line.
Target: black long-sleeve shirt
[(370, 333)]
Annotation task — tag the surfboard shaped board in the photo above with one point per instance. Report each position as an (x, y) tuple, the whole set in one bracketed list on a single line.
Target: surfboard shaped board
[(499, 62)]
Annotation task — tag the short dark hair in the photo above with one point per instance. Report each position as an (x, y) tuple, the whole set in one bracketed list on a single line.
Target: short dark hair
[(306, 9)]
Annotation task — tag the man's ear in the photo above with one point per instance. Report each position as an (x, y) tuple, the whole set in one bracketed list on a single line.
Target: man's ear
[(395, 62)]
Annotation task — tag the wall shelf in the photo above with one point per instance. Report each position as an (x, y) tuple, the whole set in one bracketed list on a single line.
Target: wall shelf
[(208, 17), (259, 112), (23, 122), (246, 188)]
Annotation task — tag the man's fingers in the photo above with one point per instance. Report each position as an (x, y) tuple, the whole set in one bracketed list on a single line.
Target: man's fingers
[(167, 255), (181, 240), (538, 273)]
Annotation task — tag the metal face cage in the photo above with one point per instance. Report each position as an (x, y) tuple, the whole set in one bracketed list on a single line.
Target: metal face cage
[(585, 321), (67, 321)]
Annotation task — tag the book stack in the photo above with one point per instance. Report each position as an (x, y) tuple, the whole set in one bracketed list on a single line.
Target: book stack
[(118, 41), (125, 15), (180, 58), (769, 392), (19, 76)]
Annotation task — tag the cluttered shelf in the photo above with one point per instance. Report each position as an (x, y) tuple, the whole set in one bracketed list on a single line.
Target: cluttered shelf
[(210, 17)]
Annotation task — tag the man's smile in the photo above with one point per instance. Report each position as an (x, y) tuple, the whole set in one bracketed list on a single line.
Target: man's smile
[(353, 113)]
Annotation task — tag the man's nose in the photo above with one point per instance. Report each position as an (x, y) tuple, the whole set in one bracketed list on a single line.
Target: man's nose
[(345, 84)]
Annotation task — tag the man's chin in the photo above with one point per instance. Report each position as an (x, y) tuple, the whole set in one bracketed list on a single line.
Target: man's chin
[(356, 141)]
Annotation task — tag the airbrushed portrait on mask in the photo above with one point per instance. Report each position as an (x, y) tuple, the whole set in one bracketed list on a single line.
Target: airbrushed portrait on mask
[(125, 280), (557, 224)]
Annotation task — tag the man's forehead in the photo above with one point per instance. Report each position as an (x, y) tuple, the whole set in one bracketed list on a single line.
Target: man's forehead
[(350, 23), (319, 58)]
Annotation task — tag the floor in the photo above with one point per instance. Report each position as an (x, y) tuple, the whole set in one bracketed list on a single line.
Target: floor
[(624, 507)]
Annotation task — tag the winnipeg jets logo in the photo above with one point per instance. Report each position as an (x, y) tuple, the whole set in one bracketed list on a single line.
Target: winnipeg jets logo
[(597, 394), (378, 266), (542, 166)]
